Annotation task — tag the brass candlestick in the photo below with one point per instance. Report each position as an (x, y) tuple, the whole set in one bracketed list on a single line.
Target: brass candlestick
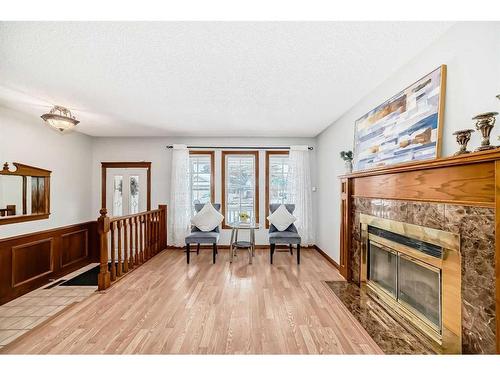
[(485, 123), (463, 137)]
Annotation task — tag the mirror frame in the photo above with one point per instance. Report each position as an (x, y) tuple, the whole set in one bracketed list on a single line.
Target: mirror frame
[(24, 170)]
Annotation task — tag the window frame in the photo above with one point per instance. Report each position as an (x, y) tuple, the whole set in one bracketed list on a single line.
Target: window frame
[(212, 169), (223, 182), (269, 153)]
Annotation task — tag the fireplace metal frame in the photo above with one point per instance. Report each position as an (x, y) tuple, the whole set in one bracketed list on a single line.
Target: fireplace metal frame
[(449, 339)]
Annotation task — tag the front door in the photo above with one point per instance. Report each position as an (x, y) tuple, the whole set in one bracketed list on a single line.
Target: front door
[(126, 191)]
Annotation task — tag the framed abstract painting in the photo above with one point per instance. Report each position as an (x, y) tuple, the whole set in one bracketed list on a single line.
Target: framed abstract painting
[(405, 128)]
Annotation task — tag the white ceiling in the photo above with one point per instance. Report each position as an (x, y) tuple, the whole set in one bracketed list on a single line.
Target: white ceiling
[(202, 78)]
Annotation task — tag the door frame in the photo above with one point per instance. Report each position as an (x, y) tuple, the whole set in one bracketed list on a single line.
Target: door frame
[(105, 165)]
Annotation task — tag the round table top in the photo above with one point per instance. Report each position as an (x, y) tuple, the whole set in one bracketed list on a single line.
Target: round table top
[(244, 225)]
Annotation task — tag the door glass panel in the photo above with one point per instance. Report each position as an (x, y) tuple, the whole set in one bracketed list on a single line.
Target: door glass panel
[(118, 196), (419, 287), (383, 268), (134, 195)]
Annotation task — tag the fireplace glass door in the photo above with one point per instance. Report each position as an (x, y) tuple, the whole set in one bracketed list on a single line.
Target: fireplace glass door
[(412, 283), (419, 286), (383, 268)]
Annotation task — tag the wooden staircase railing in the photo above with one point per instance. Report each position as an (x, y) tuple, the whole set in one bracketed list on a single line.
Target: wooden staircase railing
[(126, 242)]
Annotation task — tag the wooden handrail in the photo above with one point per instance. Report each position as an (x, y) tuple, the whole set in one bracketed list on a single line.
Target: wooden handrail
[(128, 241), (121, 218)]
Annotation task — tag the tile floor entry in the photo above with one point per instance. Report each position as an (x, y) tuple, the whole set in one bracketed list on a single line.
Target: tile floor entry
[(30, 310)]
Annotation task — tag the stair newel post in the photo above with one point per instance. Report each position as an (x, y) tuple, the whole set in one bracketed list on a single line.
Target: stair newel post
[(103, 230)]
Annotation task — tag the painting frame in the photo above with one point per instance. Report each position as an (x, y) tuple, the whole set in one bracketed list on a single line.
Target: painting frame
[(386, 136)]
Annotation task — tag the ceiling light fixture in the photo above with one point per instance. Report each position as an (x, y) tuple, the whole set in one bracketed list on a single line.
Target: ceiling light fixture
[(60, 118)]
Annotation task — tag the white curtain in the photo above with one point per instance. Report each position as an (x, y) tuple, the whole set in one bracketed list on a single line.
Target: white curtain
[(299, 192), (179, 210)]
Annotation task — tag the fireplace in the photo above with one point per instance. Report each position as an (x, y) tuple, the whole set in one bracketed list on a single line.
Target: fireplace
[(414, 272)]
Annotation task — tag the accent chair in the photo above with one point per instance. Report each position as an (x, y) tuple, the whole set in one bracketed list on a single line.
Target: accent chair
[(289, 236), (199, 237)]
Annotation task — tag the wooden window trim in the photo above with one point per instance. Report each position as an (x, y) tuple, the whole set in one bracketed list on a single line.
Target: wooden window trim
[(105, 165), (268, 155), (223, 183), (212, 170)]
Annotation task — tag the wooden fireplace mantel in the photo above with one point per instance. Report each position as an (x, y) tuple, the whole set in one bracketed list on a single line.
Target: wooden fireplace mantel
[(471, 179)]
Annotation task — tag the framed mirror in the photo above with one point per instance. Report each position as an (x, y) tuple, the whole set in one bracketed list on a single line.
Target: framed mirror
[(24, 193)]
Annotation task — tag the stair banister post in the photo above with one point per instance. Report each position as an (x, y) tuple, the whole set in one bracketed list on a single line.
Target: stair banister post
[(103, 229)]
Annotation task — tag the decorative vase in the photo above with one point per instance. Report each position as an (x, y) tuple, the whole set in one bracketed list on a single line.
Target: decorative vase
[(485, 123), (348, 166), (463, 137)]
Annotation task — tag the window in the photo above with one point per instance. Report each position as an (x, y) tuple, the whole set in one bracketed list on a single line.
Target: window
[(240, 185), (276, 178), (201, 165)]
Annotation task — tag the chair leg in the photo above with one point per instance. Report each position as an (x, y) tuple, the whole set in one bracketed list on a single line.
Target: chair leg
[(188, 252), (271, 252), (198, 249), (298, 253), (214, 252), (291, 249)]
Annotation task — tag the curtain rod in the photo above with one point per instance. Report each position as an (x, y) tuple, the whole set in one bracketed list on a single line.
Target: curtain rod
[(242, 147)]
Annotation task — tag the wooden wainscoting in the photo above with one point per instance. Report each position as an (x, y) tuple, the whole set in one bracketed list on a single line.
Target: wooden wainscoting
[(32, 260)]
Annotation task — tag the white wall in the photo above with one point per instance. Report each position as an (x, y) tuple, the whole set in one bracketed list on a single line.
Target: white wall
[(471, 52), (154, 150), (26, 140)]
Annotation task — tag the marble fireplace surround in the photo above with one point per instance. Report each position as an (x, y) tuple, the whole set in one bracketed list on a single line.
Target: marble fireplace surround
[(476, 227), (459, 194)]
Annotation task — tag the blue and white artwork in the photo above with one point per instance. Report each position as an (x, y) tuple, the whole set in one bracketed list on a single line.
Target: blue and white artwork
[(404, 128)]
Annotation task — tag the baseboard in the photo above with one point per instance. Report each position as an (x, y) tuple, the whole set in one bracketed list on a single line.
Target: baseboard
[(327, 257)]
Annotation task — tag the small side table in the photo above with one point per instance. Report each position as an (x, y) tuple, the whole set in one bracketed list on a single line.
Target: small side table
[(235, 244)]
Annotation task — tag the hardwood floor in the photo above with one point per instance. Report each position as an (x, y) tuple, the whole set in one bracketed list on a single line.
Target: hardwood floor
[(167, 306)]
